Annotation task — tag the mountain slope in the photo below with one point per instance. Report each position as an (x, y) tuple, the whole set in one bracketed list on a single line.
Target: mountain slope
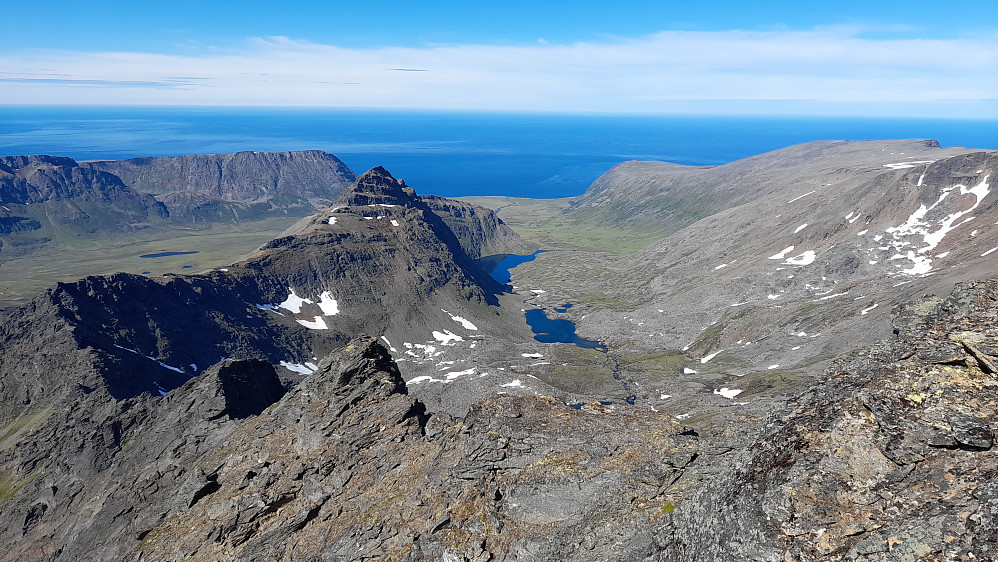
[(386, 265), (208, 187), (667, 197), (46, 197)]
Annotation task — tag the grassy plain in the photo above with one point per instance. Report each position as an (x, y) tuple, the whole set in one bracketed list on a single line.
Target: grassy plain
[(23, 277), (544, 221)]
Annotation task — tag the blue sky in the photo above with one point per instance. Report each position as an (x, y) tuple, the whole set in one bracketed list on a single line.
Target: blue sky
[(860, 58)]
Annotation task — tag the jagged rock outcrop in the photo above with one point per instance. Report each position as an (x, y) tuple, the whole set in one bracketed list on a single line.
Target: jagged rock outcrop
[(344, 466), (91, 475), (891, 458)]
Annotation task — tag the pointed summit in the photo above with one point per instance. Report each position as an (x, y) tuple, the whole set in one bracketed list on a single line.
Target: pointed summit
[(377, 186)]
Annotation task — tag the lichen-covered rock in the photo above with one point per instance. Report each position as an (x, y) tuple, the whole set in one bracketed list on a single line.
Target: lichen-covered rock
[(890, 458)]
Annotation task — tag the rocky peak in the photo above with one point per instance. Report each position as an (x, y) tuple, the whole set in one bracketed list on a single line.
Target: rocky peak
[(360, 360), (377, 186)]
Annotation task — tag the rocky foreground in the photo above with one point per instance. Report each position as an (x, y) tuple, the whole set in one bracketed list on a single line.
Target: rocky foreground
[(890, 457)]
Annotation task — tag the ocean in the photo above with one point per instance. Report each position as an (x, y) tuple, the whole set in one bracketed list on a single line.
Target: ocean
[(451, 154)]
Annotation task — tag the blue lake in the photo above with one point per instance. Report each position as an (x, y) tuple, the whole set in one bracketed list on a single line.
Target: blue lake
[(557, 330), (501, 272), (165, 254), (545, 329)]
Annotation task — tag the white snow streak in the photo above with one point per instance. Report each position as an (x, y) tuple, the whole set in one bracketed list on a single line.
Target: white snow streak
[(462, 321), (317, 324), (782, 254), (802, 196), (711, 356), (393, 350)]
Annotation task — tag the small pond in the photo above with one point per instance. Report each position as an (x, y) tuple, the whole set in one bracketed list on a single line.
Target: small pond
[(164, 254)]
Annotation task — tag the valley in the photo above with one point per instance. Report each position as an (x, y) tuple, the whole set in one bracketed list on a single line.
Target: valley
[(339, 367)]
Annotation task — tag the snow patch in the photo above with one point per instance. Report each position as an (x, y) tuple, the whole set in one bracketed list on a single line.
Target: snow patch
[(328, 304), (771, 367), (462, 321), (688, 371), (297, 368), (317, 324), (515, 383), (389, 344), (917, 225), (293, 302), (165, 366), (903, 165), (800, 228), (162, 391), (868, 309), (726, 392), (395, 222), (532, 355), (806, 258), (332, 220), (801, 197), (988, 252), (782, 254), (446, 337), (455, 374)]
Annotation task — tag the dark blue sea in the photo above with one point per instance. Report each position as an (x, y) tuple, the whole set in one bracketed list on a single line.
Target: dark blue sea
[(451, 154)]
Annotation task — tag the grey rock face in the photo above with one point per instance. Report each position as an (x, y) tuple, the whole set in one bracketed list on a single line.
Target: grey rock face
[(310, 178), (890, 458)]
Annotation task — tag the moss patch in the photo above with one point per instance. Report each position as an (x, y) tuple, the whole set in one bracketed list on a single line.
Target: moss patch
[(24, 421)]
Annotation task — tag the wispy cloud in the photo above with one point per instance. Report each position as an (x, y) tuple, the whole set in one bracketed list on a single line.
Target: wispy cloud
[(663, 72)]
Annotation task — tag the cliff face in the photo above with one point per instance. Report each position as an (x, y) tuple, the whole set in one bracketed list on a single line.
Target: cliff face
[(227, 186), (481, 233), (51, 199)]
